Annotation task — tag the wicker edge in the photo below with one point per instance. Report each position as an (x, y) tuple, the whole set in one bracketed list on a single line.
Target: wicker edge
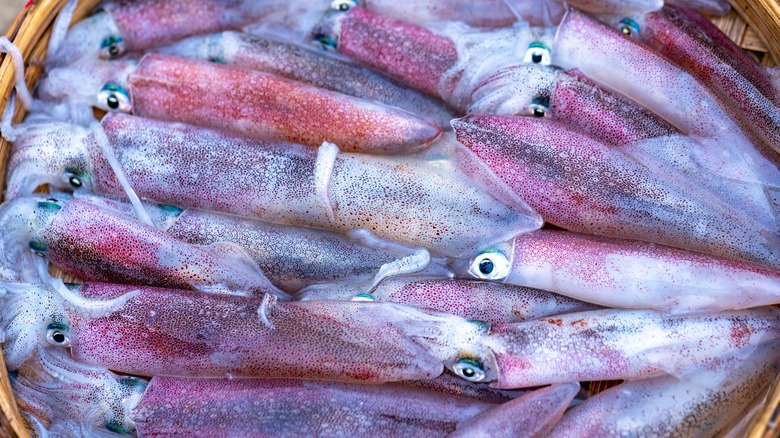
[(31, 32)]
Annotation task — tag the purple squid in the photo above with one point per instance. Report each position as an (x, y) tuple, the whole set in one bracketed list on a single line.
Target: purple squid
[(101, 244), (582, 185), (272, 55), (490, 302), (441, 198), (626, 273), (149, 331)]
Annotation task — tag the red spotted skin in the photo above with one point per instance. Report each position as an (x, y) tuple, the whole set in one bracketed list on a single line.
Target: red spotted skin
[(292, 408), (150, 23), (582, 185), (100, 245), (188, 333), (635, 274), (577, 101), (407, 52), (679, 35), (265, 106), (619, 344)]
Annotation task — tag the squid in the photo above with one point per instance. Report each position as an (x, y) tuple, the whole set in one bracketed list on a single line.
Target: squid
[(292, 61), (609, 344), (582, 185), (100, 244), (675, 406), (147, 331), (441, 198), (493, 303), (446, 64), (626, 273), (251, 103)]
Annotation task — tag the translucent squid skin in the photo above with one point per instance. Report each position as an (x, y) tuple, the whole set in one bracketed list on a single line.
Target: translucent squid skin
[(282, 407), (677, 35), (249, 103), (667, 90), (533, 414), (494, 303), (713, 7), (305, 65), (670, 406), (409, 53), (584, 186), (424, 200), (98, 244), (617, 344), (617, 6), (188, 333), (634, 274), (453, 385), (491, 13)]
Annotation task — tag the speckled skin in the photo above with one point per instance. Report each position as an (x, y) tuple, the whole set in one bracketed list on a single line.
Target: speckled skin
[(713, 7), (618, 344), (450, 384), (585, 186), (494, 303), (98, 244), (634, 274), (680, 36), (149, 23), (668, 406), (265, 106), (293, 408), (409, 53), (187, 333), (311, 67), (668, 91), (531, 415), (489, 13), (617, 6), (441, 198)]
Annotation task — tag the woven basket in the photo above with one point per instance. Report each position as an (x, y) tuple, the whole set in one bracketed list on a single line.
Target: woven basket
[(753, 24)]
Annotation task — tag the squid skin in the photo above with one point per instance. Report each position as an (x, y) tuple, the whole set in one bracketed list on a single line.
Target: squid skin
[(615, 344), (712, 7), (671, 406), (533, 414), (633, 274), (270, 55), (490, 13), (281, 407), (668, 91), (453, 385), (680, 36), (441, 198), (562, 175), (493, 303), (99, 244)]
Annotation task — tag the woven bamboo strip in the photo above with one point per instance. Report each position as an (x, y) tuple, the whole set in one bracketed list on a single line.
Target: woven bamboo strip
[(763, 16)]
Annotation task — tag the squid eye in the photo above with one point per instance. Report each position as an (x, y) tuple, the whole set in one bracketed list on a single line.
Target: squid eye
[(326, 42), (38, 248), (114, 98), (629, 27), (537, 53), (469, 369), (112, 47), (50, 204), (363, 297), (540, 106), (343, 5), (490, 265), (57, 335)]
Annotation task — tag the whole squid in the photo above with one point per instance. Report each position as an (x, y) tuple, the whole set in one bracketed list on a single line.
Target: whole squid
[(292, 61), (252, 103), (101, 244), (626, 273), (582, 185), (446, 64), (442, 198), (609, 344), (675, 406), (493, 303), (148, 331)]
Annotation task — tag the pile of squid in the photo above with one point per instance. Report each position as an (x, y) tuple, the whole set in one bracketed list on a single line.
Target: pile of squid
[(383, 218)]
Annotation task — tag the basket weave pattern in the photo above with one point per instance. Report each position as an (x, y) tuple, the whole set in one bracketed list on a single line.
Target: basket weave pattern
[(753, 24)]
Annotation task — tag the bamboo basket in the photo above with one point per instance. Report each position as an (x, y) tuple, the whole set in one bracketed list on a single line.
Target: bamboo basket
[(753, 24)]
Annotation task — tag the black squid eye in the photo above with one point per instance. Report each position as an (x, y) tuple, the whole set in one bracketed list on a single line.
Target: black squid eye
[(112, 47), (57, 335), (75, 181), (470, 369), (629, 27), (114, 98), (538, 53), (490, 265)]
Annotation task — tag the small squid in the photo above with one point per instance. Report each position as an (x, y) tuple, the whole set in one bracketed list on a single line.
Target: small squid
[(441, 198)]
